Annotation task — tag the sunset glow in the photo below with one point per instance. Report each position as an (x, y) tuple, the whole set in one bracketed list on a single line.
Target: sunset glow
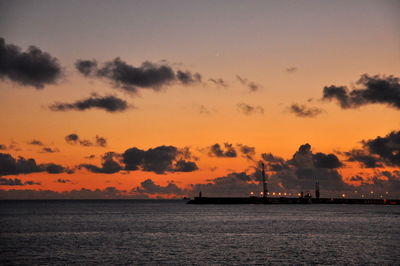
[(146, 99)]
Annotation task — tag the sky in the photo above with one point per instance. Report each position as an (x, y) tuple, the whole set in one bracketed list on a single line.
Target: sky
[(164, 99)]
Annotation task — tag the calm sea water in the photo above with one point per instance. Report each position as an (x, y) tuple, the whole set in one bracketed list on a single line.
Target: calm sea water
[(171, 232)]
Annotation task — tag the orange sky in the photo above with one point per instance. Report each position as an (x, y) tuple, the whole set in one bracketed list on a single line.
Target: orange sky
[(328, 44)]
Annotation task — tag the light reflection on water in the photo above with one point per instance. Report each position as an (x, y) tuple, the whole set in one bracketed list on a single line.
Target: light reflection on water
[(171, 232)]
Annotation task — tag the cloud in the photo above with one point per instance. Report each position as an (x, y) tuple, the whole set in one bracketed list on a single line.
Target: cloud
[(35, 142), (185, 166), (16, 182), (249, 110), (32, 183), (322, 160), (219, 82), (74, 139), (30, 68), (83, 193), (85, 143), (291, 69), (253, 87), (149, 187), (160, 160), (385, 183), (274, 163), (378, 152), (48, 150), (304, 111), (186, 77), (247, 151), (231, 185), (10, 182), (373, 89), (3, 147), (302, 171), (86, 67), (217, 151), (108, 165), (11, 166), (367, 160), (130, 78), (109, 103), (100, 141), (386, 148), (63, 181), (53, 168)]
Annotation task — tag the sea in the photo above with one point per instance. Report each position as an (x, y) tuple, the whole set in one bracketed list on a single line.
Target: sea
[(170, 232)]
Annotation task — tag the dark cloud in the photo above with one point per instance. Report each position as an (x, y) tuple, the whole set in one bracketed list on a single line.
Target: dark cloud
[(386, 148), (378, 152), (30, 68), (16, 182), (219, 82), (75, 139), (86, 67), (274, 163), (253, 87), (109, 164), (129, 78), (72, 138), (53, 168), (304, 111), (61, 180), (247, 151), (367, 160), (385, 183), (3, 147), (291, 69), (249, 110), (186, 77), (338, 93), (10, 182), (91, 156), (11, 166), (270, 158), (83, 193), (322, 160), (185, 166), (373, 89), (133, 158), (36, 142), (231, 185), (160, 159), (302, 171), (217, 151), (100, 141), (86, 143), (149, 187), (48, 150), (109, 103), (32, 183)]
